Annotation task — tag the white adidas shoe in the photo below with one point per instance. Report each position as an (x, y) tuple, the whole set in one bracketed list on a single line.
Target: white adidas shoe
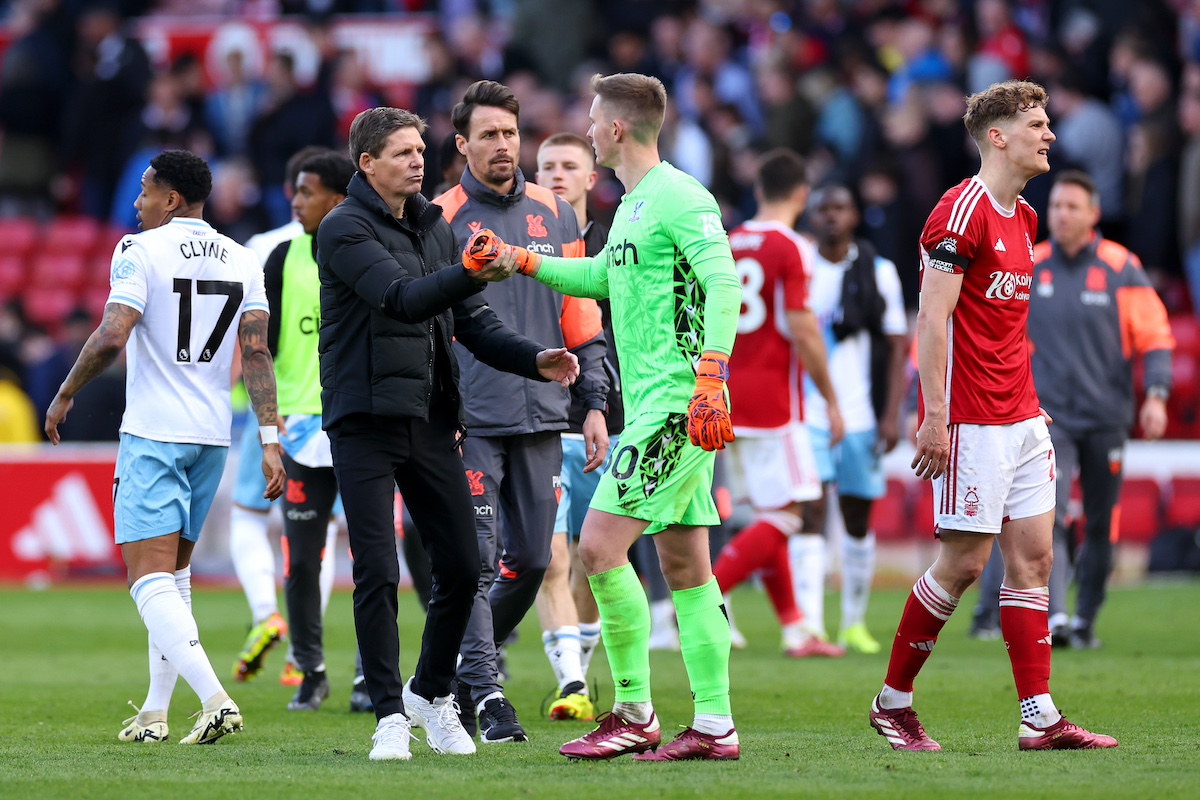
[(444, 732), (149, 727), (212, 725), (391, 739)]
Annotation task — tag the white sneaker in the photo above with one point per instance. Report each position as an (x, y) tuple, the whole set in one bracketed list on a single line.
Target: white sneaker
[(212, 725), (439, 719), (148, 727), (391, 739), (664, 638)]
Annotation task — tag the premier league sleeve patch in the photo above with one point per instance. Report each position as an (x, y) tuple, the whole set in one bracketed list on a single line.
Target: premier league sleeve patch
[(945, 258)]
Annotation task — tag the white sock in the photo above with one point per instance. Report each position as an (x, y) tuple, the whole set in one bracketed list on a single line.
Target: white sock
[(892, 698), (662, 614), (163, 674), (550, 647), (253, 560), (570, 654), (712, 724), (589, 640), (173, 629), (1040, 710), (807, 555), (328, 565), (483, 702), (858, 570), (635, 712)]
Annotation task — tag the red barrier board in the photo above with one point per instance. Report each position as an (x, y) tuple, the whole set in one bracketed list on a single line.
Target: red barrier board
[(58, 513)]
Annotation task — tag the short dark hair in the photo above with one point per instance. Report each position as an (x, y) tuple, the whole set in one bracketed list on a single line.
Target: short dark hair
[(1077, 177), (780, 172), (292, 170), (370, 130), (640, 100), (483, 93), (185, 172), (333, 169), (567, 139)]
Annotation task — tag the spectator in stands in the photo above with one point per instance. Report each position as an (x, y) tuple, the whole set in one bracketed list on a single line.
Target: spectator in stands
[(1090, 138), (289, 120), (231, 108), (112, 73), (1091, 310), (1189, 180)]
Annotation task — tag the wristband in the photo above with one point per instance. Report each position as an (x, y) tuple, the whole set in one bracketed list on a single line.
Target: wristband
[(269, 434), (1158, 392)]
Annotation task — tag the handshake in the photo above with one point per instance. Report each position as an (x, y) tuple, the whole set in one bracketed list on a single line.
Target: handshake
[(485, 246)]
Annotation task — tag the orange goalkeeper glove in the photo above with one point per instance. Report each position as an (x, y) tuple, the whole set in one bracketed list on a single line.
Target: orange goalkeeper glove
[(709, 425), (485, 246), (482, 248)]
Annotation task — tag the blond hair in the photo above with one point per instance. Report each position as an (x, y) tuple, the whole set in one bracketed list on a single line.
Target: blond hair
[(1001, 102), (639, 100)]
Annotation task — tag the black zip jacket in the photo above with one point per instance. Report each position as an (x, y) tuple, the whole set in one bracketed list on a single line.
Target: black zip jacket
[(394, 296)]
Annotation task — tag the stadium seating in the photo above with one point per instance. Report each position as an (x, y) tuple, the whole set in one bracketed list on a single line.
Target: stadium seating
[(71, 234), (58, 270), (12, 276), (48, 306), (1139, 517), (1183, 506), (889, 514), (17, 236), (1186, 330)]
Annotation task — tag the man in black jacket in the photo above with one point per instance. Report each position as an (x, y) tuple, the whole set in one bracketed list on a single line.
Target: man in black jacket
[(393, 297)]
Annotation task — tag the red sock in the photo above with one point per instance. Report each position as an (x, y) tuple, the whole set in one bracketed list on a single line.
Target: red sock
[(927, 609), (1023, 621), (748, 552), (777, 580)]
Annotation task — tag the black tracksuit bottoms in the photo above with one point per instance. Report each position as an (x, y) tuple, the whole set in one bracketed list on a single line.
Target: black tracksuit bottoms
[(371, 455)]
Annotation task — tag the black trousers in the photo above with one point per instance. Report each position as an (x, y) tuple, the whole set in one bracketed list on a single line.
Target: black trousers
[(307, 506), (371, 456)]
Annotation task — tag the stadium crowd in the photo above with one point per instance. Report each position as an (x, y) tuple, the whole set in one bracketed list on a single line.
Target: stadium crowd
[(870, 91)]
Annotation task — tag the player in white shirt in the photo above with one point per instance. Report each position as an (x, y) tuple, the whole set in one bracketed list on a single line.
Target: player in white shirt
[(177, 289), (856, 335)]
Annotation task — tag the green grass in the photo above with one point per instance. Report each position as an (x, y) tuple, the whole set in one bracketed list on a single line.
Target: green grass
[(70, 658)]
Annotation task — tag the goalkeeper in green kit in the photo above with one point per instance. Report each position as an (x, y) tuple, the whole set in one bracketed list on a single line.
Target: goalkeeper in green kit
[(669, 276)]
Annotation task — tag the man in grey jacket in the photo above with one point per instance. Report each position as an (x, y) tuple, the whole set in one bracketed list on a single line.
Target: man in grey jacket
[(514, 454)]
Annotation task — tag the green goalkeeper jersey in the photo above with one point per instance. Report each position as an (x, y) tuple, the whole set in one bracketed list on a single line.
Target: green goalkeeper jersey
[(669, 276)]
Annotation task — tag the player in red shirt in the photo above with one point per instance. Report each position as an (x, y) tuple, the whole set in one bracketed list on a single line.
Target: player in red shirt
[(983, 439), (772, 462)]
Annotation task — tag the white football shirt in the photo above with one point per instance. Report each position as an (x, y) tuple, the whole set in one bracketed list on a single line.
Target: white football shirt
[(849, 359), (191, 285)]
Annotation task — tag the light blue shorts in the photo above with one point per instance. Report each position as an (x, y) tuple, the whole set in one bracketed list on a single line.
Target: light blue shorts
[(577, 488), (250, 485), (853, 463), (164, 487)]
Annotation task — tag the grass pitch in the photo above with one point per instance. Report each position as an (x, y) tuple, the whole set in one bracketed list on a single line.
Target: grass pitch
[(70, 658)]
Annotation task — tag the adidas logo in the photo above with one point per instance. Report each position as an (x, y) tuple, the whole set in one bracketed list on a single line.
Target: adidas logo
[(1000, 248), (1046, 640), (926, 646), (67, 526)]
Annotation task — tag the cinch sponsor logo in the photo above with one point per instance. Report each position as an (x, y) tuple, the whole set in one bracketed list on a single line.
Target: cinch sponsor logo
[(484, 510), (296, 515), (622, 254), (1009, 286), (545, 248), (66, 527)]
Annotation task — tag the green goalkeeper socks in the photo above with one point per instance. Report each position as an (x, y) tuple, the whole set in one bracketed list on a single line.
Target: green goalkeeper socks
[(625, 626), (704, 640)]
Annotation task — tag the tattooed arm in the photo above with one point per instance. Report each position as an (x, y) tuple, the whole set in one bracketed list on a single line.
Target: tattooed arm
[(100, 351), (258, 373)]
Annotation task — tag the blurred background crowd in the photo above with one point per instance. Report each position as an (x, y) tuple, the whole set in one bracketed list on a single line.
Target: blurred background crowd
[(870, 91)]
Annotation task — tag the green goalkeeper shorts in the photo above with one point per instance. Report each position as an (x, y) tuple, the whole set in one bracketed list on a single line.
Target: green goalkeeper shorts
[(659, 476)]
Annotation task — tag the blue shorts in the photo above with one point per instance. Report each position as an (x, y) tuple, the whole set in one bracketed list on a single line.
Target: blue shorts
[(250, 484), (853, 463), (164, 487), (577, 488)]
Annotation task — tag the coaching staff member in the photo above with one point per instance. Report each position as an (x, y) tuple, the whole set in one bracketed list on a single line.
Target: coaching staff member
[(394, 295)]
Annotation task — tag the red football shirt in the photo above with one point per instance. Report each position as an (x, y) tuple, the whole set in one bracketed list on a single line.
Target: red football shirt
[(764, 372), (988, 377)]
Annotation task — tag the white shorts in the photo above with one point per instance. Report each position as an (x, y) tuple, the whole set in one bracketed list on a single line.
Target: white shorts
[(996, 473), (773, 470)]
